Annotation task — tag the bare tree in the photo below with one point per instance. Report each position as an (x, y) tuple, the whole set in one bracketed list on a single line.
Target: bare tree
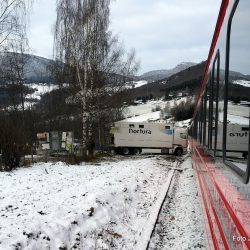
[(13, 69), (84, 43), (12, 19), (13, 43)]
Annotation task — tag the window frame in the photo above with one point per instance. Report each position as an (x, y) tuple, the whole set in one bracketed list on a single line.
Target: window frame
[(217, 100), (214, 91), (204, 116), (243, 174)]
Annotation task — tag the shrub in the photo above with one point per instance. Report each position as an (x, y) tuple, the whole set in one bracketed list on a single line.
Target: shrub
[(184, 110), (158, 108)]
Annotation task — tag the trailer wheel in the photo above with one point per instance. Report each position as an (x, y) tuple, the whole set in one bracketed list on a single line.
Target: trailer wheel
[(178, 151), (136, 151), (125, 151)]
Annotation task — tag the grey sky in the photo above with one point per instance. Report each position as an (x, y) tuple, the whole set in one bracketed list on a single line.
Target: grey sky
[(163, 32)]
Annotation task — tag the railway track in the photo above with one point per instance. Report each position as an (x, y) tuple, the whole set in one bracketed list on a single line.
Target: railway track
[(173, 171)]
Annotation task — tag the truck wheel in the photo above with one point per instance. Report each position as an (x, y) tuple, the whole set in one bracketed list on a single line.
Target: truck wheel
[(136, 151), (125, 151), (178, 152)]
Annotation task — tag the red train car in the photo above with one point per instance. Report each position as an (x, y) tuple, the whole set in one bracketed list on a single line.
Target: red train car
[(220, 131)]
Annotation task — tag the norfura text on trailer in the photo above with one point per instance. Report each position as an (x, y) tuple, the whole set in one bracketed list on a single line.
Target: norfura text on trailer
[(151, 137)]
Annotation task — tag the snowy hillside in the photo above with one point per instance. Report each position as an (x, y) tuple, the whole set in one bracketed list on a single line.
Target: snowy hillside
[(37, 69), (40, 89), (243, 83), (137, 84)]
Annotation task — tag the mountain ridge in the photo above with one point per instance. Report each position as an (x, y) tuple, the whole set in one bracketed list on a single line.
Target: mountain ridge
[(36, 68), (155, 75)]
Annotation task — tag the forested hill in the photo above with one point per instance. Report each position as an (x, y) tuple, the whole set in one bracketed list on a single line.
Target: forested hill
[(36, 69), (186, 80)]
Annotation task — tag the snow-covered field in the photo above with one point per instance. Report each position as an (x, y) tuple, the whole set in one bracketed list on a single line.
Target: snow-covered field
[(244, 83), (89, 206), (144, 117), (137, 84), (146, 110)]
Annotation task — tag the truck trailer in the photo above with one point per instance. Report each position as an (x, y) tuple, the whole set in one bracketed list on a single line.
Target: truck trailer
[(236, 140), (137, 137)]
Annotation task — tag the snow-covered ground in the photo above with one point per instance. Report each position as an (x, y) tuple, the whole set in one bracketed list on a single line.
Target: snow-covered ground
[(87, 206), (142, 109), (144, 117)]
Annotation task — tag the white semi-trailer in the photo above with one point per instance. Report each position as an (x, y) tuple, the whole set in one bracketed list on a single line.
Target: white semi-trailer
[(137, 137), (236, 142)]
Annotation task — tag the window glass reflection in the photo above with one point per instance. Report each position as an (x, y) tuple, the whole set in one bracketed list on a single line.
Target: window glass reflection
[(239, 87)]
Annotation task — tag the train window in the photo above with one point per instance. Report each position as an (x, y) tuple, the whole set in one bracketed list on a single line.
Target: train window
[(141, 126), (131, 125), (237, 80), (214, 112)]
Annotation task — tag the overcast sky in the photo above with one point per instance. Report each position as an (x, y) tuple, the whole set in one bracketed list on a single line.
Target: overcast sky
[(163, 32)]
